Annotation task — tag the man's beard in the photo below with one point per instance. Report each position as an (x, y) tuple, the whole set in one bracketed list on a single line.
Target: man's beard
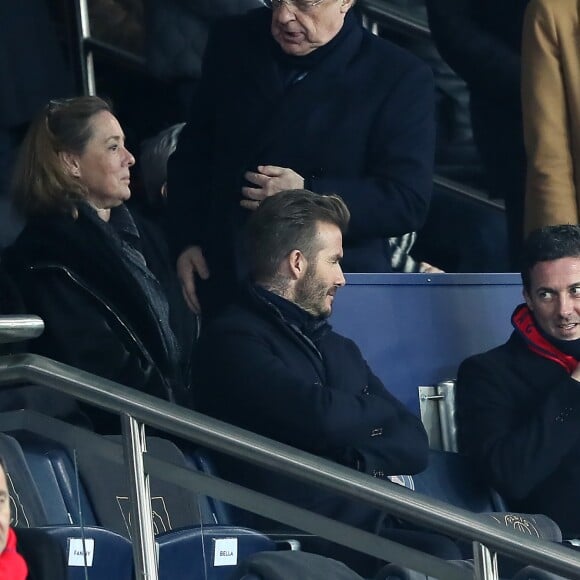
[(310, 294)]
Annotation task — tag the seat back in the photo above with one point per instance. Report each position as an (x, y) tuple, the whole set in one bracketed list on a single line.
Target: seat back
[(224, 513), (27, 507), (208, 552), (49, 462), (108, 488), (450, 477), (107, 556)]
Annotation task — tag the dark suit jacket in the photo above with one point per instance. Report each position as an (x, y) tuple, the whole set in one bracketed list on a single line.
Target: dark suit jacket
[(260, 373), (519, 417), (360, 124)]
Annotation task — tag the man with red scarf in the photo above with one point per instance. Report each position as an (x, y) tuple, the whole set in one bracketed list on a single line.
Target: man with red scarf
[(519, 404), (12, 564)]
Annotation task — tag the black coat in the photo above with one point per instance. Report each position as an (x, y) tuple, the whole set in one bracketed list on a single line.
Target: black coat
[(519, 417), (96, 316), (481, 41), (259, 373), (360, 124)]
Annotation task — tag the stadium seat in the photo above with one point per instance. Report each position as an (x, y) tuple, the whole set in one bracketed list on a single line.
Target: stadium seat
[(450, 477), (203, 551), (207, 552)]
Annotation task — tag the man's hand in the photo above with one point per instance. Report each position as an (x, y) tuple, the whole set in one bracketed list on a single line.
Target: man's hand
[(190, 263), (270, 180), (426, 268)]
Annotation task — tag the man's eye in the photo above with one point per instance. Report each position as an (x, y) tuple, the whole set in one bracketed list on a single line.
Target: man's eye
[(575, 291)]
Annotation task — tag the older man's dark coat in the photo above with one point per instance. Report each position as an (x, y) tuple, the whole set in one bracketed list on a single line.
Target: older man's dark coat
[(360, 124)]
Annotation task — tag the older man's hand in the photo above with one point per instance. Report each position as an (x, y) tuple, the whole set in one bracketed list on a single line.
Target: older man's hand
[(190, 263), (269, 180)]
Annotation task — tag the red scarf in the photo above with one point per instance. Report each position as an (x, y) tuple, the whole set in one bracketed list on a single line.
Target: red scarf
[(12, 564), (524, 323)]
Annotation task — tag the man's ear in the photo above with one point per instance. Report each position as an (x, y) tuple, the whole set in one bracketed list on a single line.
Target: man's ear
[(296, 264), (527, 299), (70, 163)]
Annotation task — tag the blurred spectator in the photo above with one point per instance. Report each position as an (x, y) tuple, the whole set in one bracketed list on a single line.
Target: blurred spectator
[(32, 71), (12, 564), (97, 274), (176, 36), (480, 39), (280, 107), (551, 107)]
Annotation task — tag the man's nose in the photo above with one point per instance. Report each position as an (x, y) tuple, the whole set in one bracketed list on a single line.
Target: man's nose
[(340, 280), (284, 14), (565, 305)]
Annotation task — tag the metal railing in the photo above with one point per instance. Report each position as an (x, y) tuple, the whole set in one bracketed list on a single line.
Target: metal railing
[(20, 327), (379, 13), (138, 409)]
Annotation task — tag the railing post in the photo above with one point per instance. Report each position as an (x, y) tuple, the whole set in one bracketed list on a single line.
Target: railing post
[(485, 563), (87, 66), (142, 535)]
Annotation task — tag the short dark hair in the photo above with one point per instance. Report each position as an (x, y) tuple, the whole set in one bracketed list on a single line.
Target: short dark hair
[(285, 222), (40, 182), (549, 243)]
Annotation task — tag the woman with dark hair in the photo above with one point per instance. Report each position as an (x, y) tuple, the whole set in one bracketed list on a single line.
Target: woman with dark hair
[(98, 275)]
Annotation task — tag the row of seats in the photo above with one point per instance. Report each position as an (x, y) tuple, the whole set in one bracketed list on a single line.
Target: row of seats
[(50, 494), (86, 495)]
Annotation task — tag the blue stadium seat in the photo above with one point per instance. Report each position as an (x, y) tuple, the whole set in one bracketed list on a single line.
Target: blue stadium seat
[(207, 552), (109, 556), (37, 503), (196, 551), (450, 477)]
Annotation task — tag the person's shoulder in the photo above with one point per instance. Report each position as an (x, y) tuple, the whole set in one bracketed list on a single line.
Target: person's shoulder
[(41, 237), (502, 354), (236, 318), (561, 12)]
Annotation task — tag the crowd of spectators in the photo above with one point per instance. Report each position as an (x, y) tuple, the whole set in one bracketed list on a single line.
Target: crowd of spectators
[(306, 147)]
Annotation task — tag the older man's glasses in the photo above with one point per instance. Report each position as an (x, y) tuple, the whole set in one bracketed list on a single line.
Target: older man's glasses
[(301, 5)]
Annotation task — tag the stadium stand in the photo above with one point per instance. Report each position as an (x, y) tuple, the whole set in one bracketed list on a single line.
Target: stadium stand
[(95, 498)]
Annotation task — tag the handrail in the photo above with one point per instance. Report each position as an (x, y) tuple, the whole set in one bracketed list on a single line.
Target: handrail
[(20, 327), (469, 192), (381, 13), (250, 447), (378, 13)]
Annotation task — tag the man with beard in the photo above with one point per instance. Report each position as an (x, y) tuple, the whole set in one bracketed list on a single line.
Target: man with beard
[(272, 364), (519, 404)]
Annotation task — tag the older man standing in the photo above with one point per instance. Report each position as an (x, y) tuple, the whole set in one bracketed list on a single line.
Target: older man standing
[(519, 404), (299, 95)]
